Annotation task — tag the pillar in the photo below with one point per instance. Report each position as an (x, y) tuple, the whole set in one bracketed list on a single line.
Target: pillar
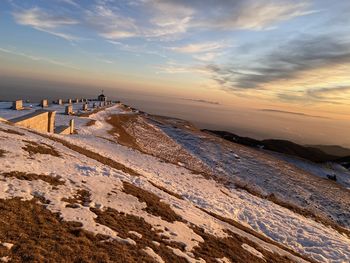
[(69, 110), (17, 105), (71, 126), (44, 103)]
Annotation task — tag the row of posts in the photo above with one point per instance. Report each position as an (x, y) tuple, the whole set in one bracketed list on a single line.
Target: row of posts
[(18, 104)]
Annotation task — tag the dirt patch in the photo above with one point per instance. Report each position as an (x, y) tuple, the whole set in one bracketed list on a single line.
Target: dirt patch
[(124, 223), (82, 197), (12, 131), (39, 235), (54, 181), (154, 205), (253, 233), (36, 148), (90, 123), (166, 190), (231, 248)]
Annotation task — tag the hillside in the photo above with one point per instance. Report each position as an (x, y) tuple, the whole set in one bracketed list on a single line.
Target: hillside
[(132, 187), (314, 154), (333, 150)]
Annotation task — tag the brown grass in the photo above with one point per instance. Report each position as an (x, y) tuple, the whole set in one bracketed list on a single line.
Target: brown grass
[(39, 235), (54, 181), (90, 123), (12, 131), (123, 223), (154, 205), (36, 148), (231, 248), (82, 197), (2, 153), (166, 190)]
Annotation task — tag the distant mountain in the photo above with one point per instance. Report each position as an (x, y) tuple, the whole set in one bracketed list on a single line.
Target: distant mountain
[(282, 146), (333, 150)]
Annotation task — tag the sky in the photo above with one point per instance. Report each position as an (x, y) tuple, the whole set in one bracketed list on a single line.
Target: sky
[(285, 62)]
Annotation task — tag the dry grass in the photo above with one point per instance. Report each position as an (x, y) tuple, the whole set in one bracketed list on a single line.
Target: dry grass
[(82, 197), (12, 131), (2, 153), (54, 181), (90, 123), (36, 148), (124, 138), (231, 248), (166, 190), (128, 138), (154, 205), (39, 235), (123, 223)]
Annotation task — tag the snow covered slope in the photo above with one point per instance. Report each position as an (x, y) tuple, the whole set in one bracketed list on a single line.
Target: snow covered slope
[(109, 189)]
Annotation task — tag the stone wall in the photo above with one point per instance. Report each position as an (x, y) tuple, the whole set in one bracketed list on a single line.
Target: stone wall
[(69, 110), (40, 120)]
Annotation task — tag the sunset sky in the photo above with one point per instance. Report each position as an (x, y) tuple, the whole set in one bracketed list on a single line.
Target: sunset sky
[(281, 55)]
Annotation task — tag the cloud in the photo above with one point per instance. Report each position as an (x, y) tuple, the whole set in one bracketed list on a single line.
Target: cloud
[(44, 21), (172, 67), (163, 20), (285, 62), (70, 2), (199, 47), (109, 22), (38, 58), (329, 92), (292, 113), (168, 20), (203, 101), (238, 14)]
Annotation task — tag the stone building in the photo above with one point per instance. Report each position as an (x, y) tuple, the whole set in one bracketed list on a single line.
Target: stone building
[(102, 97)]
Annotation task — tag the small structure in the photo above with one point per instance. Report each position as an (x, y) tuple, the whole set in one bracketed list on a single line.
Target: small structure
[(40, 120), (102, 103), (59, 101), (76, 100), (101, 97), (85, 107), (66, 130), (69, 101), (94, 105), (69, 110), (17, 105), (44, 103)]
